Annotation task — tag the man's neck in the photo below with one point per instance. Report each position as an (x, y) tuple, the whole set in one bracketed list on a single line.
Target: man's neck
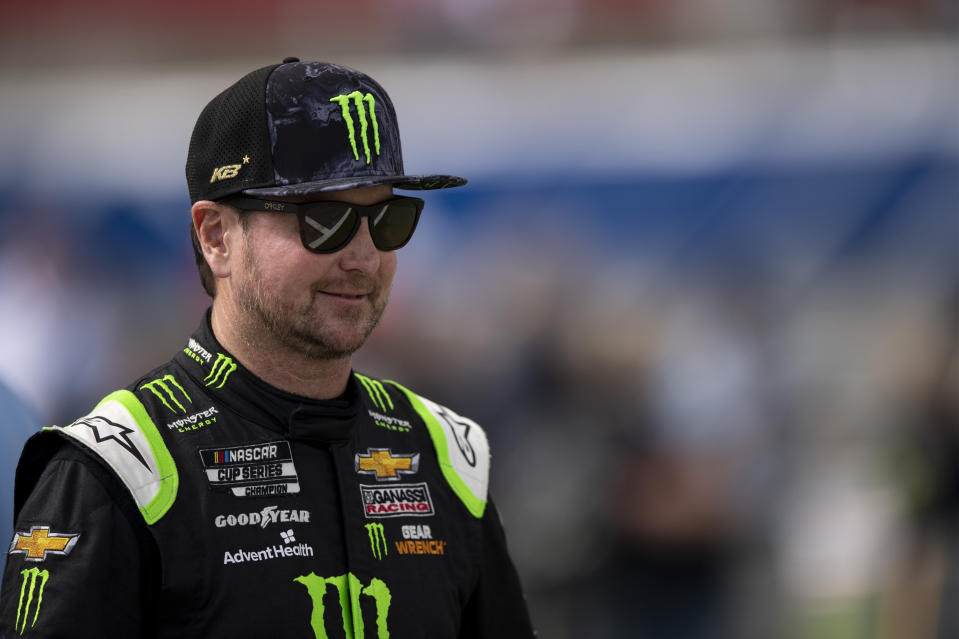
[(277, 365)]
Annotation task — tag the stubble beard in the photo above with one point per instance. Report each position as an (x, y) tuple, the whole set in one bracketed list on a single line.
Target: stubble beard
[(307, 329)]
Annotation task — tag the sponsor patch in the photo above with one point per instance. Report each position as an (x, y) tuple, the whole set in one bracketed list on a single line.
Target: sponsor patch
[(353, 597), (378, 395), (390, 423), (170, 393), (421, 547), (38, 541), (194, 346), (254, 470), (195, 421), (400, 500), (384, 465), (289, 548), (418, 540), (416, 532), (268, 515), (222, 367), (34, 582), (377, 539)]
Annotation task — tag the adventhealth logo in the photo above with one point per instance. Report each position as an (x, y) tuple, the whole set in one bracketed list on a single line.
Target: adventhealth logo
[(221, 370), (361, 113), (349, 588), (160, 388), (277, 551), (29, 588), (377, 540)]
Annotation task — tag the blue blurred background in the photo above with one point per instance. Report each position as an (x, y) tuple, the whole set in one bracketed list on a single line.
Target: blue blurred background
[(702, 289)]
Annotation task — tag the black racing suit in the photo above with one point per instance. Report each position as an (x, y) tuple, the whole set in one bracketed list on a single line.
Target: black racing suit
[(202, 502)]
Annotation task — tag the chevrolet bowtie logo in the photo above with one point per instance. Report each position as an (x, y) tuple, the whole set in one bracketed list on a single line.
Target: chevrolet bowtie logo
[(39, 541), (387, 467)]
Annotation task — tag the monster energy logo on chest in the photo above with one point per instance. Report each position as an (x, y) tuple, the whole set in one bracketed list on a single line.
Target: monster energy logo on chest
[(377, 540), (360, 100), (160, 388), (349, 588)]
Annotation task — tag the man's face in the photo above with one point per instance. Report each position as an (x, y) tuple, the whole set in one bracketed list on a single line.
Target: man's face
[(324, 306)]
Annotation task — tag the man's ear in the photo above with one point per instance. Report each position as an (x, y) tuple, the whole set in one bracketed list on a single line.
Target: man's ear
[(213, 224)]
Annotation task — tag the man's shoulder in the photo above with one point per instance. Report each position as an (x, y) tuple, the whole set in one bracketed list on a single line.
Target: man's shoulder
[(120, 433), (462, 448)]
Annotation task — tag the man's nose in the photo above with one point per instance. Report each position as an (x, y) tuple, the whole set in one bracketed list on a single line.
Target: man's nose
[(361, 254)]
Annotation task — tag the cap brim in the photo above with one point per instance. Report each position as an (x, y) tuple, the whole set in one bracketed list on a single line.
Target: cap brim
[(304, 190)]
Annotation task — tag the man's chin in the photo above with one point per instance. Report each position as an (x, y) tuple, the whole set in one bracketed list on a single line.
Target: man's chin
[(332, 344)]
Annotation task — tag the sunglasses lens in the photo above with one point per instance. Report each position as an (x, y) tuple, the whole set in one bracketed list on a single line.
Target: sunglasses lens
[(327, 226), (392, 224)]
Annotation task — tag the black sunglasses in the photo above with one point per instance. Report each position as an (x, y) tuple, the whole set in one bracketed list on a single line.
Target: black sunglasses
[(328, 226)]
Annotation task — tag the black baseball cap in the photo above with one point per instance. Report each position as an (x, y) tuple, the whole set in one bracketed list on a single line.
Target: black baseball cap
[(287, 131)]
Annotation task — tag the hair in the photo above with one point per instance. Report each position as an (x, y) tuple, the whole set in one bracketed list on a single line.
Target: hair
[(207, 279)]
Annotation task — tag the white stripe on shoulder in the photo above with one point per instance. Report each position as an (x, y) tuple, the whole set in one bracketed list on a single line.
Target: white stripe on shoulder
[(461, 447), (120, 432)]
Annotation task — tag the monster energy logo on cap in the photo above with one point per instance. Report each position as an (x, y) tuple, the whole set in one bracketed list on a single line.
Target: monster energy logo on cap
[(221, 370), (378, 394), (167, 393), (30, 576), (377, 540), (358, 100)]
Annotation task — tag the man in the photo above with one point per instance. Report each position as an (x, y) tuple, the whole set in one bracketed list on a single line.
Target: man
[(255, 485)]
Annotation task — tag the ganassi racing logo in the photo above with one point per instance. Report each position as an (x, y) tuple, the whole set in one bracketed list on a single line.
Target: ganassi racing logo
[(269, 515), (396, 501)]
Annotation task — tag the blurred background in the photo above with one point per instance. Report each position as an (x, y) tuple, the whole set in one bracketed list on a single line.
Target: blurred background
[(702, 289)]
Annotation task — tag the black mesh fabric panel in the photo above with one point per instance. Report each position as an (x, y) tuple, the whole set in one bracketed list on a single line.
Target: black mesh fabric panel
[(230, 146)]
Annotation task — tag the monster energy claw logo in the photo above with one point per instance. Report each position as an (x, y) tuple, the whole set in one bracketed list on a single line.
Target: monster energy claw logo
[(377, 393), (349, 589), (358, 100), (377, 540), (221, 370), (30, 576), (167, 393)]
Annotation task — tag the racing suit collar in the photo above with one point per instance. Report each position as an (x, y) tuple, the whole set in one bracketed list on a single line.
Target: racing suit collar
[(320, 421)]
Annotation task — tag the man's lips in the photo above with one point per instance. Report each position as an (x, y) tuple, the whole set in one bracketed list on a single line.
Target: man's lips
[(346, 295)]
